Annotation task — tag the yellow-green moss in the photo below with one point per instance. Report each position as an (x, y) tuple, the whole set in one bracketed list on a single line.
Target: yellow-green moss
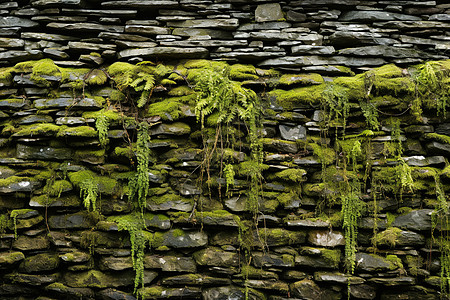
[(242, 72), (179, 91), (442, 138), (43, 129), (37, 68), (389, 237), (78, 131), (58, 187), (298, 96), (293, 175), (96, 77)]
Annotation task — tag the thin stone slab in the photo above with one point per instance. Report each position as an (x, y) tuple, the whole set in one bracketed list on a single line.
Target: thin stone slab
[(173, 52), (88, 27), (206, 23), (142, 4), (374, 16), (17, 22)]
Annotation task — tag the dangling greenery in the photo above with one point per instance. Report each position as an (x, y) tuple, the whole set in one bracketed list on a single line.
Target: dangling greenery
[(89, 193), (102, 124), (337, 104), (140, 239), (139, 183), (229, 173)]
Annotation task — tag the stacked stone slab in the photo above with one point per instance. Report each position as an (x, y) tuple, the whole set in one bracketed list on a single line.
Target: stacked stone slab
[(300, 35)]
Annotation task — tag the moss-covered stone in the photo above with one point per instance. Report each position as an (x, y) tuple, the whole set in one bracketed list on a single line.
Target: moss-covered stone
[(298, 97), (301, 79), (97, 279), (39, 263), (10, 258)]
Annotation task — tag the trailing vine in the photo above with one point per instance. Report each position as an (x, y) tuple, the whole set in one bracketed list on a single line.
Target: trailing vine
[(89, 193), (139, 183)]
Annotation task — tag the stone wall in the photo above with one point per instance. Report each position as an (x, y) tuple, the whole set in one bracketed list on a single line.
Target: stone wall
[(322, 177), (301, 35)]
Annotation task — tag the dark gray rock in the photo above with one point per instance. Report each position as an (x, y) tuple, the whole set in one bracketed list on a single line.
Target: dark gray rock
[(40, 262), (312, 50), (372, 263), (17, 22), (363, 291), (15, 56), (374, 16), (326, 238), (170, 263), (397, 281), (113, 294), (438, 148), (268, 12), (206, 23), (171, 52), (292, 133), (11, 43), (309, 290), (34, 280), (80, 220), (85, 27), (421, 161), (86, 103), (69, 292), (302, 61), (383, 50), (142, 3), (43, 153), (419, 220)]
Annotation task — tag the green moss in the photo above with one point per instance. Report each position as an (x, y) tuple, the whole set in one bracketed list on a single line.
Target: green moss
[(78, 131), (389, 237), (167, 109), (393, 86), (290, 99), (96, 77), (58, 187), (301, 79), (387, 71), (395, 261), (37, 68), (247, 168), (117, 96), (218, 66), (179, 91), (325, 155), (242, 72), (355, 85), (111, 114), (43, 129), (124, 151), (4, 182), (333, 257), (442, 138), (293, 175), (6, 75), (168, 198)]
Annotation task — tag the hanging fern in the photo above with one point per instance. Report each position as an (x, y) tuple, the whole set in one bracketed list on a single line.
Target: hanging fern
[(139, 183), (102, 124), (89, 193)]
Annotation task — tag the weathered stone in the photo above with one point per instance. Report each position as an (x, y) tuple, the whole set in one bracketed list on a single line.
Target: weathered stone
[(85, 103), (280, 287), (268, 12), (372, 263), (303, 61), (173, 52), (39, 262), (195, 279), (142, 3), (80, 220), (85, 27), (337, 278), (113, 294), (35, 119), (43, 153), (19, 184), (202, 33), (206, 23), (438, 148), (374, 16), (8, 259), (17, 22), (97, 279), (421, 161), (419, 220), (292, 133), (76, 46), (15, 56), (310, 50), (216, 257), (159, 292), (405, 280), (180, 239), (170, 263), (363, 291), (115, 263), (30, 279), (294, 16), (170, 202), (69, 292), (26, 243), (309, 290), (273, 260), (146, 30), (230, 292), (11, 43), (383, 50), (75, 257), (326, 238)]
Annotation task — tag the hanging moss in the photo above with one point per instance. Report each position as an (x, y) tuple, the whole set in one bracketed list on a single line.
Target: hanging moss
[(310, 95)]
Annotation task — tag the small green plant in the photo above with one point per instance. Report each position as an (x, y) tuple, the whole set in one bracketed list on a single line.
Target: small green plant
[(229, 173), (102, 124), (337, 103), (89, 193), (139, 183)]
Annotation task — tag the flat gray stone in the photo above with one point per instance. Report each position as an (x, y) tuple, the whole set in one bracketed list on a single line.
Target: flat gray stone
[(80, 220), (66, 102), (421, 161), (309, 50), (142, 4), (17, 22), (43, 152), (90, 46), (146, 30), (173, 52), (56, 2), (203, 32), (383, 50), (87, 27), (292, 133), (123, 36), (47, 36), (326, 238), (268, 12), (11, 43), (15, 56), (206, 23), (372, 263), (419, 220), (301, 61), (375, 15)]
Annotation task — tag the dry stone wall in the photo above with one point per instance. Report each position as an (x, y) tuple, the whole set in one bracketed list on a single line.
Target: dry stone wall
[(293, 162)]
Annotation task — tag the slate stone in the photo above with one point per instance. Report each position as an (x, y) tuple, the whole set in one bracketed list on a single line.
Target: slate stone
[(90, 46), (176, 129), (421, 161), (171, 52), (39, 262), (56, 2), (26, 243), (34, 280), (15, 56), (309, 290), (363, 291), (43, 153), (68, 292), (7, 259), (294, 16), (79, 220), (273, 260), (97, 279), (17, 22), (159, 292), (115, 263), (419, 220), (301, 61), (86, 103), (203, 32), (146, 30), (397, 281), (113, 294), (228, 24), (11, 43), (309, 50), (351, 39), (372, 263), (75, 257), (176, 239), (383, 50), (440, 17), (85, 27), (170, 263), (142, 4), (195, 279), (326, 238), (268, 12), (101, 12), (438, 148), (20, 185), (216, 257), (226, 292), (374, 16), (292, 133), (123, 36)]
